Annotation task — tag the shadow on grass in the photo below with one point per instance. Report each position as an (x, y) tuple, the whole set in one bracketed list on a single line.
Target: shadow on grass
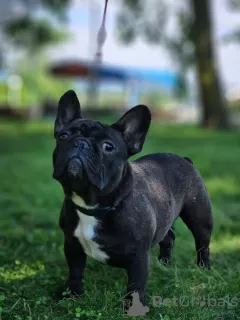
[(105, 288)]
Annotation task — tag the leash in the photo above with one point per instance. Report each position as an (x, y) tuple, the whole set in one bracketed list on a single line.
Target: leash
[(101, 36), (97, 60)]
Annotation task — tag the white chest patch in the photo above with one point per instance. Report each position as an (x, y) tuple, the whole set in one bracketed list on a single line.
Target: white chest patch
[(85, 232)]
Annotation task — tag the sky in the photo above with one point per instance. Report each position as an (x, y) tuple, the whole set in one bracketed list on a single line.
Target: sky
[(83, 36)]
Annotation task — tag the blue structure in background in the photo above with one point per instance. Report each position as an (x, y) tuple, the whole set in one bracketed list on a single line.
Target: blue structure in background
[(83, 69), (135, 80), (164, 79), (3, 75)]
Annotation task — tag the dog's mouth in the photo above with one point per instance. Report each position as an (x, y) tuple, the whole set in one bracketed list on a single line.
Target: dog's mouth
[(71, 169), (74, 168), (81, 170)]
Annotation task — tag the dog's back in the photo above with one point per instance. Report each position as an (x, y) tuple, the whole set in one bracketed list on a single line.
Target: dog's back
[(173, 186)]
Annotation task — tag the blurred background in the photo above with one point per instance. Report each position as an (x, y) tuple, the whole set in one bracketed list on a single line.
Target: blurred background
[(181, 59)]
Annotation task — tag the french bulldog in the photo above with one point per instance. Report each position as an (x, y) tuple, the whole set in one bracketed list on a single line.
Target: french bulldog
[(115, 210)]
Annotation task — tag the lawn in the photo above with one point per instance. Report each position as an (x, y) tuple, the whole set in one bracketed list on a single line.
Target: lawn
[(32, 264)]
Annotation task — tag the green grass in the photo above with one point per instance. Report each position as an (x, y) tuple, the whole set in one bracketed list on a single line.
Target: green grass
[(32, 264)]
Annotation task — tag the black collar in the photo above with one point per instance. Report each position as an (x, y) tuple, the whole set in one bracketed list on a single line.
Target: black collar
[(123, 189), (97, 212)]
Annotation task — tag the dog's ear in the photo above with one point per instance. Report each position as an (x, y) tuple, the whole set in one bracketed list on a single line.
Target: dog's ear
[(134, 126), (68, 110)]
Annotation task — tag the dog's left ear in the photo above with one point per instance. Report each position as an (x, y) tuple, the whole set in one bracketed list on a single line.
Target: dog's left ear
[(134, 126), (68, 110)]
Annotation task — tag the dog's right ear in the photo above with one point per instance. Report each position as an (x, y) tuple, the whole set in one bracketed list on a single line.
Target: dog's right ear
[(68, 110), (134, 126)]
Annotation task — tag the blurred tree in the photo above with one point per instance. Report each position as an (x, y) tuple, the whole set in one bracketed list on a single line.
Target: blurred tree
[(29, 30), (190, 45), (39, 85), (32, 35), (233, 36), (32, 26)]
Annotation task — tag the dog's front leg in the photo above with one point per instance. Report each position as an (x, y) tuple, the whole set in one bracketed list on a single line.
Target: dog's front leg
[(138, 271), (76, 259)]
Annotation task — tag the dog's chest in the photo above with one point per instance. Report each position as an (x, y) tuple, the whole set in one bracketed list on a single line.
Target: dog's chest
[(86, 232)]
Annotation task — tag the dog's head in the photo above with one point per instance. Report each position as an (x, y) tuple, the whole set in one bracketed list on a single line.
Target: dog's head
[(91, 154)]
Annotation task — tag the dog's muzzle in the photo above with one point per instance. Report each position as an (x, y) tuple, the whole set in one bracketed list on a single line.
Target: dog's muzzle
[(81, 162), (75, 166), (69, 161)]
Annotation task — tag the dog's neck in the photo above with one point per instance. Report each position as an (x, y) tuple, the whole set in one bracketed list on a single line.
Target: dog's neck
[(94, 204)]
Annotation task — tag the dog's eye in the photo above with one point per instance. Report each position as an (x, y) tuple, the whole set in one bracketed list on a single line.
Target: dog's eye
[(107, 147), (63, 136)]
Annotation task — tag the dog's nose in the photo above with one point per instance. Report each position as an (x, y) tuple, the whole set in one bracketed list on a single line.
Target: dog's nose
[(80, 144)]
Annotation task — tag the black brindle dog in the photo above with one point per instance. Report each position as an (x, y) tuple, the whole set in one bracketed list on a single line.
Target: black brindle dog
[(115, 210)]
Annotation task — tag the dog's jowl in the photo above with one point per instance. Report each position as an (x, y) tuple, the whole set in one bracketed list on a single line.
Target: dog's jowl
[(115, 210)]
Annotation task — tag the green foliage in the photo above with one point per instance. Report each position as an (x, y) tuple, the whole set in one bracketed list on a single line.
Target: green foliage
[(155, 98), (32, 261), (150, 21), (138, 18), (38, 84), (32, 34), (55, 6), (3, 92)]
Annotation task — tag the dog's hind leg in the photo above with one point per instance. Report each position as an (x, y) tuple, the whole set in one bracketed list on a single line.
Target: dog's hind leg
[(197, 216), (166, 247)]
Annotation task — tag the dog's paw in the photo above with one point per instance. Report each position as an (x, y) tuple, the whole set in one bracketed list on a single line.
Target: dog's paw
[(204, 264)]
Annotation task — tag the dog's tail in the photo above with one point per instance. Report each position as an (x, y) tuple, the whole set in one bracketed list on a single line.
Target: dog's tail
[(188, 159)]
